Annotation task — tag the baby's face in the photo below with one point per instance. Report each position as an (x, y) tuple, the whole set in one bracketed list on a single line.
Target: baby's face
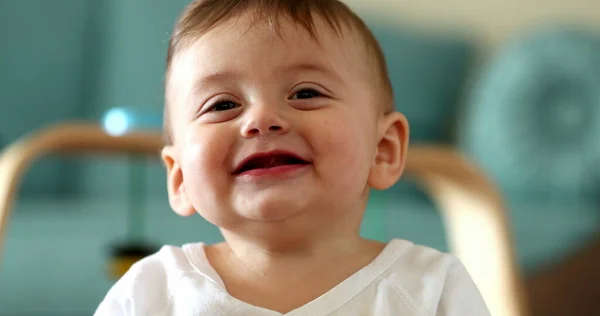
[(269, 127)]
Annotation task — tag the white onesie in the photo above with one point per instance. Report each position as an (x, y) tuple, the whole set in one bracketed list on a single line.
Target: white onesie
[(405, 279)]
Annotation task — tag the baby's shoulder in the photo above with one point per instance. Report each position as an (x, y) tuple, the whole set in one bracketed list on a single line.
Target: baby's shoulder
[(426, 276), (418, 260), (150, 282), (158, 268)]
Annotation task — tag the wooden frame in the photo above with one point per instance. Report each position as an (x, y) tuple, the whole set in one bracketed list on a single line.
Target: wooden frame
[(473, 211)]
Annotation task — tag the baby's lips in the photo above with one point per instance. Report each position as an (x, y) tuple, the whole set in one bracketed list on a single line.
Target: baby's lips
[(257, 159)]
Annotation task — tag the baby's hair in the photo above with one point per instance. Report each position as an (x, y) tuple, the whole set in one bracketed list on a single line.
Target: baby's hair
[(201, 16)]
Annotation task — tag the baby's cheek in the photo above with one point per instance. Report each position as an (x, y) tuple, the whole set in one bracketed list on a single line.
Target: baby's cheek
[(203, 165), (350, 155), (205, 149), (205, 181)]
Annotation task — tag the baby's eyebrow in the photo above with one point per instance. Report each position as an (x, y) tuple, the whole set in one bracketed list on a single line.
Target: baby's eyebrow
[(229, 75), (215, 77), (313, 67)]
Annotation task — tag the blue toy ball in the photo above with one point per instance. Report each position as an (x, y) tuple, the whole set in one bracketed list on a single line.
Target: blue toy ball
[(533, 120), (119, 121)]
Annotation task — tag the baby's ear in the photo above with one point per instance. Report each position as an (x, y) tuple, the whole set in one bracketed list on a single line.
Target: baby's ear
[(392, 147), (175, 185)]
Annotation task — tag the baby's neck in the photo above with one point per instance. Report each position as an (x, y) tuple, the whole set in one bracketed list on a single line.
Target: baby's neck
[(284, 279), (264, 260)]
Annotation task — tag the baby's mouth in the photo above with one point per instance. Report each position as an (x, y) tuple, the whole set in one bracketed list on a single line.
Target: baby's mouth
[(269, 160)]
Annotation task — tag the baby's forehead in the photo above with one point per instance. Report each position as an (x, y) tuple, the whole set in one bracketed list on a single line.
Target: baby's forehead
[(231, 44)]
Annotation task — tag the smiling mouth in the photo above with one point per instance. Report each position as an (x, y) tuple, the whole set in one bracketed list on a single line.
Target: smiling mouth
[(269, 161)]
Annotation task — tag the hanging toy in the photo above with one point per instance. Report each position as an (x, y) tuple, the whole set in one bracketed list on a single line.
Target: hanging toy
[(118, 122)]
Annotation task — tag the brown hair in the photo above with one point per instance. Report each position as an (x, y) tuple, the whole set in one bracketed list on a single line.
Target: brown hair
[(201, 16)]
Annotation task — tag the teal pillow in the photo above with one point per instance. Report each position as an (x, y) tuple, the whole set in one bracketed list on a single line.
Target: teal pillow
[(428, 72), (533, 120)]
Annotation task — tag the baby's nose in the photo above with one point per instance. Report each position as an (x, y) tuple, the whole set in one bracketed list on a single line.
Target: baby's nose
[(264, 121)]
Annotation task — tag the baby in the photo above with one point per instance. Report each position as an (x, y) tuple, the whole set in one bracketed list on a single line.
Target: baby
[(279, 121)]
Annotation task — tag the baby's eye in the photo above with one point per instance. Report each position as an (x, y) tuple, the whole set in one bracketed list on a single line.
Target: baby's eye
[(306, 94), (223, 106)]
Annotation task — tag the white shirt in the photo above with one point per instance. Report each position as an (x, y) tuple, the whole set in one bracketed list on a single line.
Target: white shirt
[(405, 279)]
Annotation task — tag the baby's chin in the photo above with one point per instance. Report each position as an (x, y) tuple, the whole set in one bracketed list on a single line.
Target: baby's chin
[(273, 208), (253, 210), (279, 210)]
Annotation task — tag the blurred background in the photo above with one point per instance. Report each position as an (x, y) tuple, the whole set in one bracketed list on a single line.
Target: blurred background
[(515, 85)]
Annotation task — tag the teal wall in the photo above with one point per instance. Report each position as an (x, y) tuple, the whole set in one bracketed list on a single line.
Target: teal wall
[(41, 76), (128, 72), (64, 59)]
